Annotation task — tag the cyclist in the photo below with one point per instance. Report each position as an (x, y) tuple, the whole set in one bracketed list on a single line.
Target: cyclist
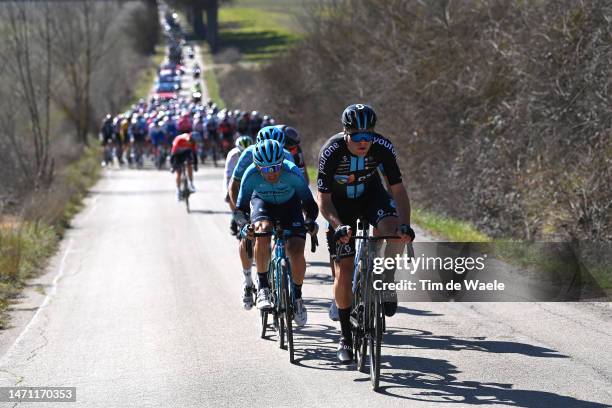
[(255, 123), (183, 152), (246, 158), (106, 139), (349, 186), (230, 163), (292, 143), (273, 189)]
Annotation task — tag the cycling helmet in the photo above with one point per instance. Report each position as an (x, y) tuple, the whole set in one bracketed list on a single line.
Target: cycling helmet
[(268, 153), (243, 142), (292, 137), (271, 132), (358, 117)]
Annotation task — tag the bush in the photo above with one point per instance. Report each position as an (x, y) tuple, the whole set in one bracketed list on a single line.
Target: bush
[(499, 110)]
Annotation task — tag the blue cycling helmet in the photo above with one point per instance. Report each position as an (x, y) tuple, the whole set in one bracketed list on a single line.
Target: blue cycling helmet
[(268, 153), (271, 133), (358, 117), (243, 142)]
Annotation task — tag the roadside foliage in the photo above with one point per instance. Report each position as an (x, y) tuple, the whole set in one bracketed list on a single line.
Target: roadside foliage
[(500, 110)]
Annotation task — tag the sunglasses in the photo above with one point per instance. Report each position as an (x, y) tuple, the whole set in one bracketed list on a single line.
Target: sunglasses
[(361, 137), (271, 169)]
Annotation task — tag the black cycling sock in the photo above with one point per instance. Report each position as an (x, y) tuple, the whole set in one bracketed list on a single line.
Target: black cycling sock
[(298, 291), (345, 324), (263, 280)]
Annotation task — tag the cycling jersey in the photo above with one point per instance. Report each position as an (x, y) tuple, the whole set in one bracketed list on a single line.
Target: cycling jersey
[(246, 158), (290, 183), (158, 138), (346, 175), (298, 157), (230, 165), (183, 143)]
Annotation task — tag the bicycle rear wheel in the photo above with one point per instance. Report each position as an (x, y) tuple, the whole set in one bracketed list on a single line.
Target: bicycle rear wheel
[(186, 192), (375, 340)]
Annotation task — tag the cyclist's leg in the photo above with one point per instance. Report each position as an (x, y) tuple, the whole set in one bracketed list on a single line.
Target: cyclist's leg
[(262, 222), (292, 221), (383, 215)]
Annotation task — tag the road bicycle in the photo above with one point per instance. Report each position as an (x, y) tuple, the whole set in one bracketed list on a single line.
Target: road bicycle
[(282, 289), (184, 187), (367, 312)]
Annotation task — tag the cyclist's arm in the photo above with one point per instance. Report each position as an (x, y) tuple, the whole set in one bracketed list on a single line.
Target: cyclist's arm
[(327, 208), (233, 190), (301, 187), (400, 195), (245, 192)]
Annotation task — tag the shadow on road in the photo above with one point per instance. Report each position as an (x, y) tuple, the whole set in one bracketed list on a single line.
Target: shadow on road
[(432, 380), (170, 193), (401, 338), (208, 212), (425, 379)]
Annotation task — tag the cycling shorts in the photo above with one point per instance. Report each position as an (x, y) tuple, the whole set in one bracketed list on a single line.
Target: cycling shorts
[(373, 206), (182, 157), (289, 214)]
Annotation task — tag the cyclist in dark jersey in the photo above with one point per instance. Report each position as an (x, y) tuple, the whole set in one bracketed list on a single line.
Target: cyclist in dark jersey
[(292, 144), (350, 186)]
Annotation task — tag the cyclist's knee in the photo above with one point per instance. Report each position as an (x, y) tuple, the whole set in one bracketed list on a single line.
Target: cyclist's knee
[(263, 226), (387, 226), (295, 246)]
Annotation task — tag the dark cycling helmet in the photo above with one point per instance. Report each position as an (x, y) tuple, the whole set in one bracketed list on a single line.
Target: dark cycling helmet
[(268, 153), (243, 142), (358, 117), (272, 133), (292, 137)]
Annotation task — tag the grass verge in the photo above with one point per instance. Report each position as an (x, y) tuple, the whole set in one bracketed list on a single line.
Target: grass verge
[(210, 78), (258, 34), (27, 242)]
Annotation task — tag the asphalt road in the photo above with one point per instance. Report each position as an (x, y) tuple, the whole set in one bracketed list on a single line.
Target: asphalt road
[(141, 307)]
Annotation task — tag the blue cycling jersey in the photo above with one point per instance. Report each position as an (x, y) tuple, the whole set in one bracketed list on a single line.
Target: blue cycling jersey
[(290, 183), (246, 159)]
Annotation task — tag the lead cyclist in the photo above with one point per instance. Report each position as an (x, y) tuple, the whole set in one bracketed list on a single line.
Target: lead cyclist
[(350, 186)]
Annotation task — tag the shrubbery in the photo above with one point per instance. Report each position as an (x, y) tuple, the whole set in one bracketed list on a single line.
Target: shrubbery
[(500, 110)]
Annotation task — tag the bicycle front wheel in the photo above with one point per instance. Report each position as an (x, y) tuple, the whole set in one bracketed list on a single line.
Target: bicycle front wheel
[(375, 340), (288, 309)]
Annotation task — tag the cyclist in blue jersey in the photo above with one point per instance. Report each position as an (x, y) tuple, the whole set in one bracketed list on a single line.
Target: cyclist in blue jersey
[(349, 187), (273, 189), (246, 158)]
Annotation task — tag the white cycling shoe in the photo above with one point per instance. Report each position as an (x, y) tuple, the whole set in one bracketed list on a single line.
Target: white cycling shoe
[(263, 299), (192, 188), (247, 296), (300, 315), (333, 311)]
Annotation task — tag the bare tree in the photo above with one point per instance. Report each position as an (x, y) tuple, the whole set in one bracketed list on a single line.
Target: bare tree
[(80, 32), (28, 63)]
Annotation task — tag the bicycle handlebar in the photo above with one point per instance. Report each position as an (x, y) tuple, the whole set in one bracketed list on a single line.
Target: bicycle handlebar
[(314, 242), (378, 238)]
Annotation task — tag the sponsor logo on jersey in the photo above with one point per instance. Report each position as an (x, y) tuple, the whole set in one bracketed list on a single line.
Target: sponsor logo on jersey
[(326, 154), (385, 143), (344, 179)]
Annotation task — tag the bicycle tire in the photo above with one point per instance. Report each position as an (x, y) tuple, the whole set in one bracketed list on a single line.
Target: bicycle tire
[(361, 338), (288, 308), (186, 192), (264, 323), (375, 341)]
